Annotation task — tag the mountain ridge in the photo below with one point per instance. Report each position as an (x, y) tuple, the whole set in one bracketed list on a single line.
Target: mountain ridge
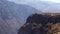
[(13, 16)]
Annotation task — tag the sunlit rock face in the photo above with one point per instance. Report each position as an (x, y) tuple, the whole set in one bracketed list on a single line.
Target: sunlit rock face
[(41, 24), (53, 28)]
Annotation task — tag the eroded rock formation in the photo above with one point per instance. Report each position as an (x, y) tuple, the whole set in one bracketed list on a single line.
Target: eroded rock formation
[(41, 24)]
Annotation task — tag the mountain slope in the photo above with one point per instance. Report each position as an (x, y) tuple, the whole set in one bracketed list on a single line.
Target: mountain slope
[(13, 16)]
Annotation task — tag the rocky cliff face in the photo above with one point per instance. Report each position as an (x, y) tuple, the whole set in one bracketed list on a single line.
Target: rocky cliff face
[(41, 24)]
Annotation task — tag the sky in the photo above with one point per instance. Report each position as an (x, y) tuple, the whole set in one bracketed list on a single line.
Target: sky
[(27, 1)]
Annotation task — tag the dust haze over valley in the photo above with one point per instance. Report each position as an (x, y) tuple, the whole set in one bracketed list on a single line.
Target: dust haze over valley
[(13, 15), (46, 6)]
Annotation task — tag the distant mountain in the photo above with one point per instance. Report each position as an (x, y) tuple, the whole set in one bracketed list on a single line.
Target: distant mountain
[(46, 6), (13, 16)]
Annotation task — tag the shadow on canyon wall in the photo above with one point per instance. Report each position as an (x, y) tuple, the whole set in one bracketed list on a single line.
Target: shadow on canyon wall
[(37, 24)]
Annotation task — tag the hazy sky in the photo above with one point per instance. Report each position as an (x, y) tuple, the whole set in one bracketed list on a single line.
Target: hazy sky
[(37, 7), (27, 1)]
